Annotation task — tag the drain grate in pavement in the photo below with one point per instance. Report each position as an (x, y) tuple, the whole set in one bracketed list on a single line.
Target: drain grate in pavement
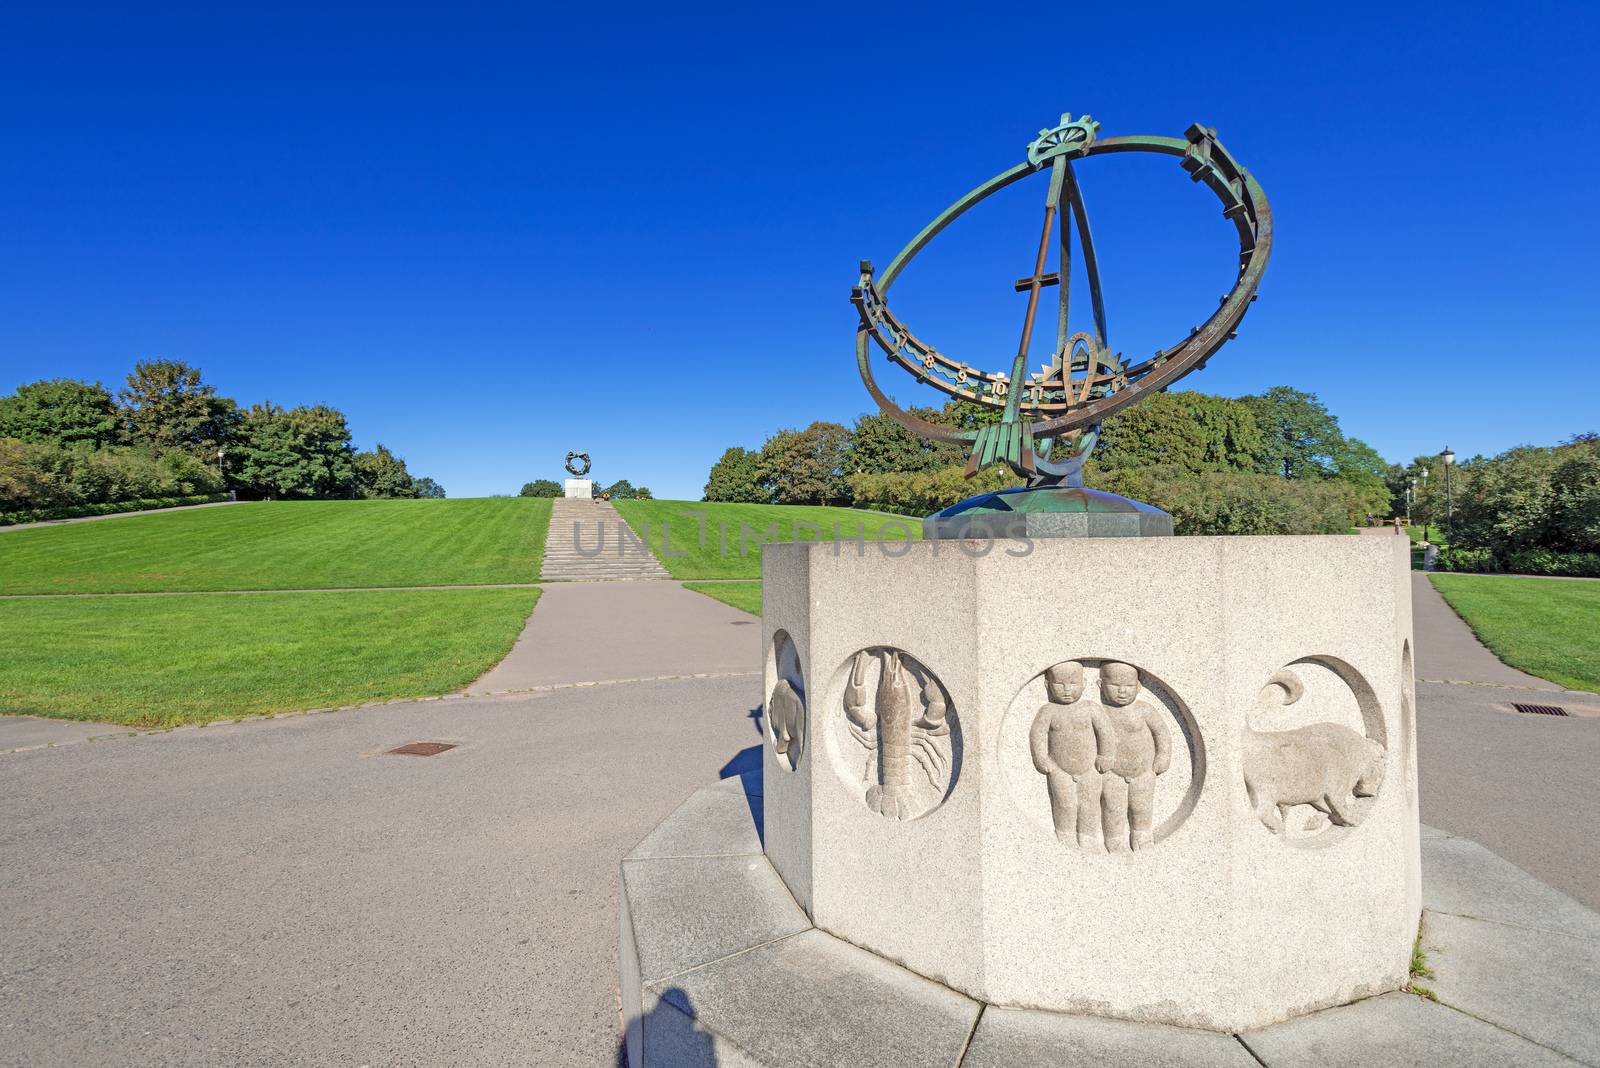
[(422, 749), (1539, 710)]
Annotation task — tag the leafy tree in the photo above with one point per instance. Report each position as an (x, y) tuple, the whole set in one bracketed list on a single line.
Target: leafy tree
[(1301, 438), (623, 490), (62, 411), (879, 444), (541, 487), (1190, 431), (807, 466), (380, 474), (299, 452), (429, 489), (736, 478), (167, 406)]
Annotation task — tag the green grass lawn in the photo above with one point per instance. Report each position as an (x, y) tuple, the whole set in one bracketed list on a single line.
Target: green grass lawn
[(735, 532), (1546, 627), (745, 596), (284, 545), (162, 661)]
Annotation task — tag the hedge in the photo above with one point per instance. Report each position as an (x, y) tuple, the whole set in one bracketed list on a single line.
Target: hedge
[(78, 511)]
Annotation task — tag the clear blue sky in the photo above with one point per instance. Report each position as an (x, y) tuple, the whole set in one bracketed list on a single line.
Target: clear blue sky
[(497, 235)]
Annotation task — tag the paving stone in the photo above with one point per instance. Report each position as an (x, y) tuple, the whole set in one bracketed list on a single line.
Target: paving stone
[(1394, 1031), (1461, 877), (716, 821), (686, 911), (1537, 984), (1433, 832), (816, 1000), (1022, 1038)]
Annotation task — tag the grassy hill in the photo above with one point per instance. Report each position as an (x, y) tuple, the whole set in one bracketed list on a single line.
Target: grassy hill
[(734, 533), (1543, 626), (276, 545), (107, 652), (190, 658)]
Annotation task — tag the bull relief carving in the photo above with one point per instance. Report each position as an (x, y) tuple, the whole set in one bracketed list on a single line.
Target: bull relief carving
[(898, 712), (1332, 769)]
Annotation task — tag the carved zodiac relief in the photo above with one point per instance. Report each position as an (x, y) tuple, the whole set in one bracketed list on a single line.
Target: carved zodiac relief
[(786, 703), (1102, 755), (898, 713), (786, 715), (1306, 780), (1100, 758)]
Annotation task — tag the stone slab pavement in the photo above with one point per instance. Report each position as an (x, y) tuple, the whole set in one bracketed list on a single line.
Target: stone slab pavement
[(602, 631)]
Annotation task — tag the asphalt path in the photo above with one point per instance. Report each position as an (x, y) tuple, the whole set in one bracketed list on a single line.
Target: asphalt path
[(282, 892)]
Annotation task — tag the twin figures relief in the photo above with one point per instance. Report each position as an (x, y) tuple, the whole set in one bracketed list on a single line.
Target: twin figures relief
[(1100, 758), (1101, 753)]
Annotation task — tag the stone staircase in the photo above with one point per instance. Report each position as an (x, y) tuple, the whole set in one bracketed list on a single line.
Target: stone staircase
[(579, 527)]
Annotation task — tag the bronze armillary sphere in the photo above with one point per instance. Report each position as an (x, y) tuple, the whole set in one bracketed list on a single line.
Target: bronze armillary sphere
[(1049, 420)]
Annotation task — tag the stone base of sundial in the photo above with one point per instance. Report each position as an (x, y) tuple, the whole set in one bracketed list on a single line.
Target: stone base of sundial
[(1164, 781)]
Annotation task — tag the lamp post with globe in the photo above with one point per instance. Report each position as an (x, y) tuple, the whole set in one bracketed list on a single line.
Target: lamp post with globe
[(1449, 459)]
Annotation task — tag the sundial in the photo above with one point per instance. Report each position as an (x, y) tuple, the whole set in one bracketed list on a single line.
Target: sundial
[(1048, 420)]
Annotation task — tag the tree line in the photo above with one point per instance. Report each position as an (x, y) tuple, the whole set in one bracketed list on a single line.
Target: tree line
[(71, 446), (1533, 510), (620, 490), (1271, 463)]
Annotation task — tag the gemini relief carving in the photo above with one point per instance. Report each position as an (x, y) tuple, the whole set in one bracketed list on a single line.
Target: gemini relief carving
[(1100, 759), (902, 719), (1328, 766)]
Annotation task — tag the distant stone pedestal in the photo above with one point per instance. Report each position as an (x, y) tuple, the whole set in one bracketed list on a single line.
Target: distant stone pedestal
[(580, 487), (1169, 780)]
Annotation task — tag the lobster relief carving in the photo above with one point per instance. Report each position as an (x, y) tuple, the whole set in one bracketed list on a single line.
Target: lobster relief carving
[(903, 721)]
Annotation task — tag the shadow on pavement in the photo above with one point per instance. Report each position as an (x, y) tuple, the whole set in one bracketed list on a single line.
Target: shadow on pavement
[(746, 764), (676, 1038)]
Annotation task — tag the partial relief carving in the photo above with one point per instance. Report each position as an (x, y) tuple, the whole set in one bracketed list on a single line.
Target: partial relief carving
[(1100, 759), (1331, 768), (786, 714), (902, 719), (786, 702)]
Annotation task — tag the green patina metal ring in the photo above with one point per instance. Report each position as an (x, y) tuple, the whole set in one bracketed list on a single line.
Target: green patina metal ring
[(1054, 405), (577, 471)]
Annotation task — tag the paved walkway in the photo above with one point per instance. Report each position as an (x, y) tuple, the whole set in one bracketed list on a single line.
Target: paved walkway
[(609, 631), (1448, 651), (589, 540), (114, 515), (280, 892)]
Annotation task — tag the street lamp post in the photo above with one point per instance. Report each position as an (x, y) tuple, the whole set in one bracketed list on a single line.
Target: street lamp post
[(1425, 521), (1449, 459), (1411, 485)]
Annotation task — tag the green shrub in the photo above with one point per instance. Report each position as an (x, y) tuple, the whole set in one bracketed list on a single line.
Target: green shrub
[(41, 476), (1545, 562), (77, 511), (1468, 560)]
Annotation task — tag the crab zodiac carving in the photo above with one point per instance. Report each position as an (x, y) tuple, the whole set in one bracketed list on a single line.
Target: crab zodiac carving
[(904, 724)]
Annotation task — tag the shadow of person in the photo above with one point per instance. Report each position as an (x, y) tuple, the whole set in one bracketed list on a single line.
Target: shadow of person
[(747, 765), (669, 1036)]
